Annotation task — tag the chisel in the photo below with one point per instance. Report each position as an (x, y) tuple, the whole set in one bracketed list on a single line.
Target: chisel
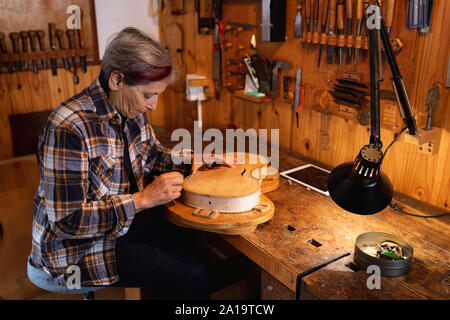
[(308, 15), (15, 38), (331, 27), (315, 15), (80, 33), (33, 46), (41, 35), (389, 15), (348, 23), (24, 35), (298, 21), (60, 36), (323, 26), (52, 38), (4, 50), (359, 17), (340, 28), (71, 36)]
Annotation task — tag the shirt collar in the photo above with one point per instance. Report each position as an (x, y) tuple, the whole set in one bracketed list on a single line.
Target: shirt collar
[(103, 106)]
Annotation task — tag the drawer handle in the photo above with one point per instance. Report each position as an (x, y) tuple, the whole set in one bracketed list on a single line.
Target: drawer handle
[(1, 231)]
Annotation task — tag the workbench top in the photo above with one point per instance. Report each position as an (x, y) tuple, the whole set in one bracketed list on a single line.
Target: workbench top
[(283, 246)]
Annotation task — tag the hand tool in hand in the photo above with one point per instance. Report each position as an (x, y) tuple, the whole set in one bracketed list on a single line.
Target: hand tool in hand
[(340, 28), (52, 39), (25, 35), (71, 36), (62, 45), (298, 21), (359, 18), (81, 43), (33, 45), (41, 35), (323, 25), (4, 50), (348, 23), (15, 38), (331, 27)]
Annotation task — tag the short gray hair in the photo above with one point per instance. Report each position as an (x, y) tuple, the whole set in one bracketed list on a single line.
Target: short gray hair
[(140, 58)]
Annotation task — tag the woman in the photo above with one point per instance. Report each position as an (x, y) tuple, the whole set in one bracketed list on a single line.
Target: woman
[(94, 151)]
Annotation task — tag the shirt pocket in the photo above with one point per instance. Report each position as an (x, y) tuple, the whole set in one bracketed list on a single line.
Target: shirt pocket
[(104, 176)]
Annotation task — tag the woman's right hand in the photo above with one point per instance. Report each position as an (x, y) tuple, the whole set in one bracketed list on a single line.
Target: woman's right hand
[(162, 190)]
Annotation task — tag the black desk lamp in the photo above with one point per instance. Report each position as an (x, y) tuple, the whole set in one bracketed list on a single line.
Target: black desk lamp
[(361, 187)]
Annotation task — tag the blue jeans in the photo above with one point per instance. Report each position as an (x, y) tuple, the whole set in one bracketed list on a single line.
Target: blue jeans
[(158, 255)]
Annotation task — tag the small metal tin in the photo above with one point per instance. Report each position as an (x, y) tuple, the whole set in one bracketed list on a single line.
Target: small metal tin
[(389, 268)]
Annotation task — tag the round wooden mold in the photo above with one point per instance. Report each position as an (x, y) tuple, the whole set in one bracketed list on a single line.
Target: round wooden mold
[(183, 215)]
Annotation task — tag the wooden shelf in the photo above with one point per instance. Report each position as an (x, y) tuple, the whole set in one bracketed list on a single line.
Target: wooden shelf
[(241, 94)]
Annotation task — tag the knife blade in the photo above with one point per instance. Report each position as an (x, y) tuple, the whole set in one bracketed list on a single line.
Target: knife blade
[(352, 83)]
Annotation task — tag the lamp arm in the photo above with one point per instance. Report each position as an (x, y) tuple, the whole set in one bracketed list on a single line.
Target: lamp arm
[(375, 78), (397, 81)]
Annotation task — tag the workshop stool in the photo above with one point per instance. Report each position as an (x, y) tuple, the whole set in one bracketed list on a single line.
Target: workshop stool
[(44, 280)]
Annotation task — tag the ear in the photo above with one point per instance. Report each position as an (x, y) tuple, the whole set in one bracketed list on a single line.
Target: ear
[(116, 80)]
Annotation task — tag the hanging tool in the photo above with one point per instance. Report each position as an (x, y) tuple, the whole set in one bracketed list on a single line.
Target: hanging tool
[(348, 23), (62, 46), (340, 28), (52, 39), (323, 25), (299, 94), (298, 21), (431, 102), (251, 71), (419, 14), (24, 35), (81, 43), (308, 15), (389, 17), (179, 12), (315, 15), (217, 47), (331, 27), (33, 45), (15, 38), (40, 35), (277, 64), (359, 17), (71, 36), (4, 50)]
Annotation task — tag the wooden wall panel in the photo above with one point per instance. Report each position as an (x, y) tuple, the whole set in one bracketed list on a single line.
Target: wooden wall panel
[(423, 61)]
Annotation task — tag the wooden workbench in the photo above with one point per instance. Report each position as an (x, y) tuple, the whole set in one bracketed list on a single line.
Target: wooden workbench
[(283, 247)]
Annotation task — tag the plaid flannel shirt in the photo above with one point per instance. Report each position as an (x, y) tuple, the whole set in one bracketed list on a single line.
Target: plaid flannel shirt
[(83, 204)]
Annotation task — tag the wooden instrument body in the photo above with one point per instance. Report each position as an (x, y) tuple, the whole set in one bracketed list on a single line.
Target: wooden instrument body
[(226, 200)]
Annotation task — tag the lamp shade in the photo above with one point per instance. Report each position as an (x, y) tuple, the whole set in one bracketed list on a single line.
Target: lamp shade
[(360, 197)]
